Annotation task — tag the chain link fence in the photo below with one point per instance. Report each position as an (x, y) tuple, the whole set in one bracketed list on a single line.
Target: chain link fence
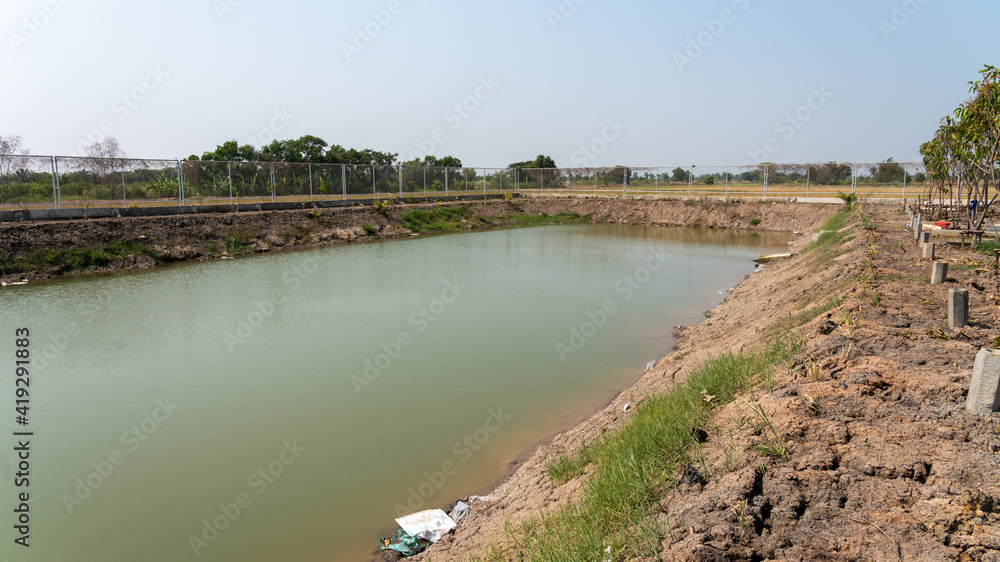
[(73, 182)]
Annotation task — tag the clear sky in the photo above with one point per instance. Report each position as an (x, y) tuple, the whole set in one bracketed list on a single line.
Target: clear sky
[(588, 82)]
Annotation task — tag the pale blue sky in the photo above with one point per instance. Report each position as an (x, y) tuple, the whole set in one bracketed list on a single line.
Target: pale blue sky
[(200, 72)]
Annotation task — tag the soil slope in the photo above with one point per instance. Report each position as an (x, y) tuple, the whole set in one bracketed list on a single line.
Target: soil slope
[(136, 243), (884, 462)]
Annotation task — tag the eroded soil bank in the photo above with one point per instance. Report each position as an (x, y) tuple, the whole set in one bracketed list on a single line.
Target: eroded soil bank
[(883, 461), (40, 250)]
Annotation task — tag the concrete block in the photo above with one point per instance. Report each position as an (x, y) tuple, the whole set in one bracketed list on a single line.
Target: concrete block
[(958, 308), (929, 251), (939, 272), (918, 226), (924, 238), (984, 392)]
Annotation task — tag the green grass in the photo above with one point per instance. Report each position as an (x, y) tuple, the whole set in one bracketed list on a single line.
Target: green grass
[(369, 230), (567, 468), (987, 247), (544, 218), (635, 464), (238, 239), (210, 248), (828, 246), (806, 316), (47, 260), (446, 219), (234, 246), (449, 219)]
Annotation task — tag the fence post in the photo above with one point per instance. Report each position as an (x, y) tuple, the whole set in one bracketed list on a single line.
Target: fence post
[(904, 183), (124, 197), (229, 171), (625, 181), (690, 182), (374, 187), (180, 183), (310, 181), (727, 182), (425, 182), (446, 182), (343, 179), (274, 189), (808, 170), (399, 172), (55, 188)]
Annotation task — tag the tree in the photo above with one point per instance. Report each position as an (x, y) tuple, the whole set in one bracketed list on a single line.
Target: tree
[(434, 162), (680, 175), (830, 173), (966, 146), (540, 161), (12, 156), (619, 175), (888, 172), (231, 151), (105, 159)]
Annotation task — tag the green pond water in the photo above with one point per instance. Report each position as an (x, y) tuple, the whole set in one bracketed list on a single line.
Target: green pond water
[(290, 406)]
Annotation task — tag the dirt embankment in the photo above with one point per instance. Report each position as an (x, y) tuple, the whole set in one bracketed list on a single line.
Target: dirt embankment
[(40, 250), (883, 462)]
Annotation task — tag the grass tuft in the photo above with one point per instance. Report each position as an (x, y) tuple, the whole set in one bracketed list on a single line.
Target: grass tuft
[(632, 466), (49, 260)]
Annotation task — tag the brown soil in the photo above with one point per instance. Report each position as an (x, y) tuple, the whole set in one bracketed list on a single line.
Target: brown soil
[(201, 237), (884, 463)]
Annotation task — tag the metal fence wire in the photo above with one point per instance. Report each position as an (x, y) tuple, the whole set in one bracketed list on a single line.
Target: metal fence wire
[(65, 182)]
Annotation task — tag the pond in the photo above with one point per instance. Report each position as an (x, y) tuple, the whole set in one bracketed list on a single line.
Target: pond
[(290, 406)]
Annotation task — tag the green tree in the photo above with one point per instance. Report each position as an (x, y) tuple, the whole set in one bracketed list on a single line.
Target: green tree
[(966, 146), (680, 175), (888, 172), (231, 151)]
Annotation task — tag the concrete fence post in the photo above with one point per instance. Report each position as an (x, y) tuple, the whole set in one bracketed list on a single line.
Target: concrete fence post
[(984, 391), (929, 251), (958, 308), (939, 272), (924, 238), (917, 226)]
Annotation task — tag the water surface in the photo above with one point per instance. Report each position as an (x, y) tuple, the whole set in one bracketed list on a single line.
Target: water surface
[(284, 407)]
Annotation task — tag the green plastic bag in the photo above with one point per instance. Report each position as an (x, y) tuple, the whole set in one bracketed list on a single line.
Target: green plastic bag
[(403, 543)]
